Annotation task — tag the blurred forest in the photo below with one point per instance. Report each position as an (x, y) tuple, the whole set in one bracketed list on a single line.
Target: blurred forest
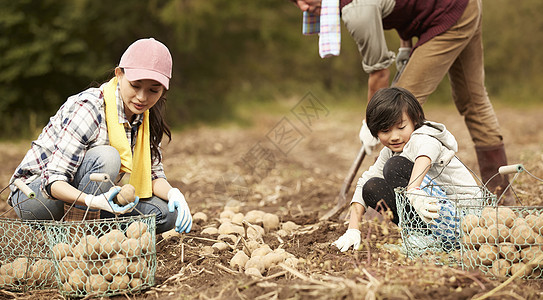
[(226, 53)]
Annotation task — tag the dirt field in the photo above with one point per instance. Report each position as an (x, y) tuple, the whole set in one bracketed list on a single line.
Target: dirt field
[(294, 166)]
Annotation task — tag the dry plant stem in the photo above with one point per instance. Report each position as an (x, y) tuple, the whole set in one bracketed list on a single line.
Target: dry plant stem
[(246, 246), (227, 269), (470, 276), (508, 281), (278, 274), (368, 245)]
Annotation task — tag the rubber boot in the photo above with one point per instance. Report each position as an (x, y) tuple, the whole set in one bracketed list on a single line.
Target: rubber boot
[(490, 159)]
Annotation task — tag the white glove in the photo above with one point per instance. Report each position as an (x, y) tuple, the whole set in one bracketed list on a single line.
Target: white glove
[(350, 238), (176, 200), (369, 142), (426, 206), (105, 202), (402, 57)]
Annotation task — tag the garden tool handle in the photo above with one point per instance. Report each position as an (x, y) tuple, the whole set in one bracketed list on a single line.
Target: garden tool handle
[(24, 188), (511, 169)]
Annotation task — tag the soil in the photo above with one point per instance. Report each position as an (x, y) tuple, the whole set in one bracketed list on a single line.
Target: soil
[(294, 166)]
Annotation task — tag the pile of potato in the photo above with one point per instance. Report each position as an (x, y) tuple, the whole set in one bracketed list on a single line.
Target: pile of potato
[(115, 261), (502, 240), (22, 271), (241, 234)]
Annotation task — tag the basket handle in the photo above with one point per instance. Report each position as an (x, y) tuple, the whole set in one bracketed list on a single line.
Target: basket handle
[(24, 188), (511, 169), (99, 177)]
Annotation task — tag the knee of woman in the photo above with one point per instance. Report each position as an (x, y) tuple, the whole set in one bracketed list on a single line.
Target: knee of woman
[(107, 157)]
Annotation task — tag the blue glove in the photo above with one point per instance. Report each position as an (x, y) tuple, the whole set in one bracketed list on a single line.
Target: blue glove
[(176, 200), (105, 202)]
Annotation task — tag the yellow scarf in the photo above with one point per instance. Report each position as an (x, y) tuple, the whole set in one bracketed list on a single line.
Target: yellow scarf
[(139, 165)]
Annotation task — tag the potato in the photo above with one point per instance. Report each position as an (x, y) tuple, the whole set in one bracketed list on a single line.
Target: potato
[(229, 228), (230, 238), (119, 283), (61, 250), (136, 229), (536, 223), (255, 231), (95, 266), (220, 246), (469, 222), (131, 247), (6, 280), (126, 195), (517, 267), (77, 279), (254, 216), (233, 205), (207, 250), (67, 287), (199, 218), (290, 226), (67, 265), (252, 245), (477, 235), (237, 218), (501, 267), (520, 222), (291, 262), (117, 265), (510, 252), (261, 251), (270, 221), (136, 283), (271, 259), (110, 243), (96, 283), (497, 215), (496, 233), (253, 272), (146, 241), (226, 214), (20, 269), (466, 241), (42, 271), (138, 268), (239, 260), (530, 254), (170, 234), (88, 248), (255, 262), (488, 216), (488, 254), (522, 235), (470, 259), (210, 231)]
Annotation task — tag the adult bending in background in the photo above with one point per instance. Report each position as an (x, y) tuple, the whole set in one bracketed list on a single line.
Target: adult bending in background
[(449, 34)]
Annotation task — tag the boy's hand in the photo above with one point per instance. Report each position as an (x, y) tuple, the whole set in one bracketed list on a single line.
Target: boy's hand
[(350, 238), (426, 206)]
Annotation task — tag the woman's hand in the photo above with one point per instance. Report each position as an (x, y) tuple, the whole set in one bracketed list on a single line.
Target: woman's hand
[(176, 200)]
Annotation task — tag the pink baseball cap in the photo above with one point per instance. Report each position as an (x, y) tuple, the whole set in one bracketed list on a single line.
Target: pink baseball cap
[(147, 59)]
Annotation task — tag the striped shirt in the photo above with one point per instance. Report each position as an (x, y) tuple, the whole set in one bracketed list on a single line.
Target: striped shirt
[(78, 126)]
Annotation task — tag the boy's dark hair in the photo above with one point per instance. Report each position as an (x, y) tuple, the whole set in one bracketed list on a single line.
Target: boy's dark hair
[(387, 106)]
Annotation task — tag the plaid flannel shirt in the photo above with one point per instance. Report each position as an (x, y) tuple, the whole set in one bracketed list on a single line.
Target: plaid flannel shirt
[(78, 126)]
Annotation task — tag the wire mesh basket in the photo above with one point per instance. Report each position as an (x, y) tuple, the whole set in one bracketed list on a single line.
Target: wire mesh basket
[(81, 255), (103, 257), (442, 236), (504, 241), (501, 240), (26, 262)]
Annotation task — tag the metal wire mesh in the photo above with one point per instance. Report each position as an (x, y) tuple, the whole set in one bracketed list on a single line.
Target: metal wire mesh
[(26, 262), (442, 236), (500, 240), (103, 257)]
